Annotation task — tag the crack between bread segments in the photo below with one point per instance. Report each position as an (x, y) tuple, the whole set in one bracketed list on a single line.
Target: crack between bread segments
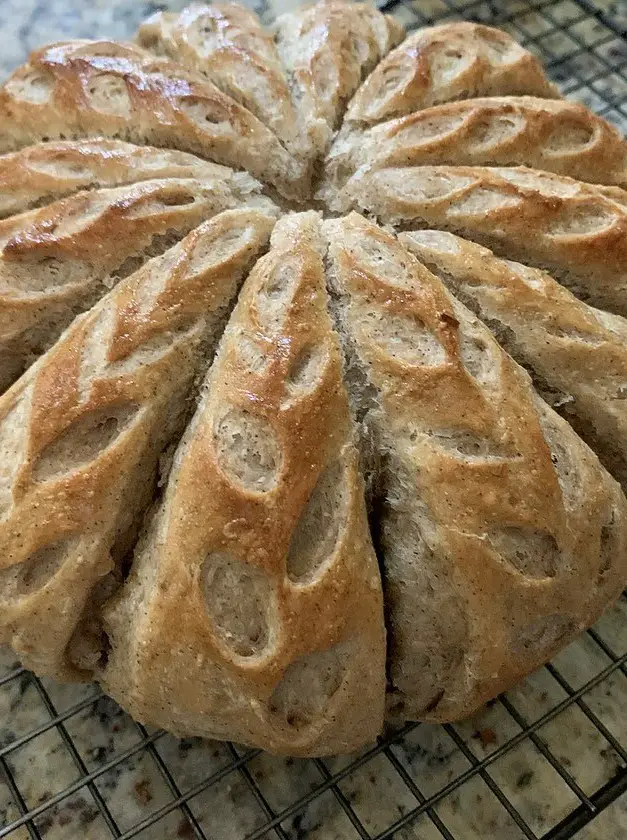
[(377, 462), (373, 459)]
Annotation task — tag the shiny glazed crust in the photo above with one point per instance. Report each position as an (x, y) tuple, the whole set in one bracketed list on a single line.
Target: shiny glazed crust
[(82, 431), (57, 261), (91, 88), (271, 578)]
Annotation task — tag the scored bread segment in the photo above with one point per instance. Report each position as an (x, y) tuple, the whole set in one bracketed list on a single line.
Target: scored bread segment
[(227, 44), (443, 63), (39, 174), (89, 88), (501, 535), (82, 431), (55, 262), (253, 610), (577, 231), (550, 134), (327, 49), (577, 355)]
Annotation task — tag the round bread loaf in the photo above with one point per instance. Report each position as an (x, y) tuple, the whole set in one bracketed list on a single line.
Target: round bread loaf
[(273, 474)]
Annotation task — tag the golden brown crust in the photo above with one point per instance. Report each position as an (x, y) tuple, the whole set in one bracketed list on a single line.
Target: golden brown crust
[(575, 230), (227, 44), (442, 63), (46, 172), (57, 261), (86, 425), (504, 513), (284, 522), (577, 354), (327, 49), (92, 88), (549, 134)]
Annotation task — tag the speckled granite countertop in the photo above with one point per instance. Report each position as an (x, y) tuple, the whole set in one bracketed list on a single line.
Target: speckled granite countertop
[(588, 59)]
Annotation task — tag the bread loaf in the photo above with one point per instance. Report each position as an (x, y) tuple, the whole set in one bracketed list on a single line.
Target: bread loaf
[(443, 63), (491, 511), (46, 172), (90, 88), (222, 542), (260, 555), (550, 134), (327, 50), (227, 44), (57, 261), (81, 434), (577, 231), (577, 355)]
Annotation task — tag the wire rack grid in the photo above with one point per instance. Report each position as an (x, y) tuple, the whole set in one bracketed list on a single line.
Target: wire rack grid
[(541, 762)]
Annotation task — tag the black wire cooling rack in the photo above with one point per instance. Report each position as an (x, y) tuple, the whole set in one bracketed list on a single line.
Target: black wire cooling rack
[(541, 762)]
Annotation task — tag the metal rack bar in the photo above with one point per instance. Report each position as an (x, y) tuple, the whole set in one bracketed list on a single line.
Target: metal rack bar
[(76, 758), (174, 790), (581, 816)]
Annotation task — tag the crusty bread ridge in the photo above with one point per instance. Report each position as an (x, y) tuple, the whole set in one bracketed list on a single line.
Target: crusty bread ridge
[(270, 578), (492, 512), (576, 231), (550, 134), (55, 262), (327, 49), (39, 174), (82, 431), (442, 63), (577, 355), (227, 44), (100, 88)]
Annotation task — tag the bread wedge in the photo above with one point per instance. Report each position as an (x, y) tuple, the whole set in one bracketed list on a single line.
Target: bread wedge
[(327, 49), (260, 554), (549, 134), (576, 231), (79, 89), (43, 173), (500, 533), (576, 355), (227, 44), (57, 261), (458, 60), (81, 434)]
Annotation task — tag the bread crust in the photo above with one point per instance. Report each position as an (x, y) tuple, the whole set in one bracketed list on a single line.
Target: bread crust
[(227, 44), (57, 261), (101, 88), (327, 49), (438, 64), (43, 173), (576, 231), (577, 355), (501, 535), (550, 134), (82, 431), (282, 535)]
